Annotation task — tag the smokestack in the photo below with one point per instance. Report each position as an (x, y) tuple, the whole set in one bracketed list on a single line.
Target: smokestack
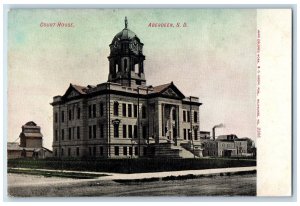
[(213, 129)]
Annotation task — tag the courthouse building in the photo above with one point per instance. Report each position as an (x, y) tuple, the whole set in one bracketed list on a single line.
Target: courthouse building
[(124, 117)]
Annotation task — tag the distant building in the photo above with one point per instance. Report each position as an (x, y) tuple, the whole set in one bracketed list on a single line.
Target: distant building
[(31, 144), (124, 117), (31, 136), (225, 146), (204, 134), (14, 151)]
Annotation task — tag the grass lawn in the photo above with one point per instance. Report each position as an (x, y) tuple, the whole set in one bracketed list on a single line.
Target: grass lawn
[(73, 175)]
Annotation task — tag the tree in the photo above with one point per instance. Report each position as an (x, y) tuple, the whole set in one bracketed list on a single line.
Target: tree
[(250, 145)]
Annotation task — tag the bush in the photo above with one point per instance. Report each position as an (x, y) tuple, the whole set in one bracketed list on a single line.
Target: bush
[(130, 165)]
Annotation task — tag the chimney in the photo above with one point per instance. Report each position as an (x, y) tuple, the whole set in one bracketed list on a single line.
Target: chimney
[(214, 128)]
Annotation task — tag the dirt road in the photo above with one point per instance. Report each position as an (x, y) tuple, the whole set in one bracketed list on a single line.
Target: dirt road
[(18, 186)]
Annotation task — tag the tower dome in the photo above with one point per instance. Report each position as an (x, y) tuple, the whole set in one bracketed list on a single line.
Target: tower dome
[(125, 34), (128, 39), (126, 59)]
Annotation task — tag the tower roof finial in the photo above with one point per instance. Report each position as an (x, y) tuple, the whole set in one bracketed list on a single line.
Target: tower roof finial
[(126, 22)]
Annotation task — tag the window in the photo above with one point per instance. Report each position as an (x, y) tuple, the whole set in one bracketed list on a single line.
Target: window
[(90, 151), (70, 133), (195, 116), (116, 130), (94, 110), (124, 150), (62, 151), (56, 135), (94, 131), (144, 132), (124, 110), (116, 68), (189, 134), (184, 134), (70, 114), (55, 152), (124, 131), (136, 68), (77, 151), (62, 134), (69, 152), (116, 150), (184, 115), (101, 131), (129, 110), (135, 131), (144, 151), (125, 64), (62, 116), (90, 111), (55, 117), (136, 151), (90, 132), (188, 116), (78, 113), (78, 132), (196, 134), (94, 151), (101, 151), (116, 108), (101, 109), (143, 112), (130, 151), (135, 110), (130, 131), (73, 133)]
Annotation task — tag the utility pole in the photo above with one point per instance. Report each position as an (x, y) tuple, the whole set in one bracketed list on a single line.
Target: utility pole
[(138, 121), (191, 126)]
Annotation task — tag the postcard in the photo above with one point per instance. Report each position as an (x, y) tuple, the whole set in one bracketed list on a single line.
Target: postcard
[(149, 102)]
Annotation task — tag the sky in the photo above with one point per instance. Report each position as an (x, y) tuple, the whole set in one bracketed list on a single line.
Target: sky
[(213, 58)]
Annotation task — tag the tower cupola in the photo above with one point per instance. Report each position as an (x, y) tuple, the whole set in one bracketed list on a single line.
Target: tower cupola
[(126, 59)]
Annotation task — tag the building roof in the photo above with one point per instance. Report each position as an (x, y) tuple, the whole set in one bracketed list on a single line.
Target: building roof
[(168, 90), (44, 148), (78, 88), (161, 88), (125, 34), (13, 146), (31, 123), (164, 90), (227, 137)]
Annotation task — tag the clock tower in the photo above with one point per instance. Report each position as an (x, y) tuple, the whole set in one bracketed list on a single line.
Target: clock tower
[(126, 59)]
